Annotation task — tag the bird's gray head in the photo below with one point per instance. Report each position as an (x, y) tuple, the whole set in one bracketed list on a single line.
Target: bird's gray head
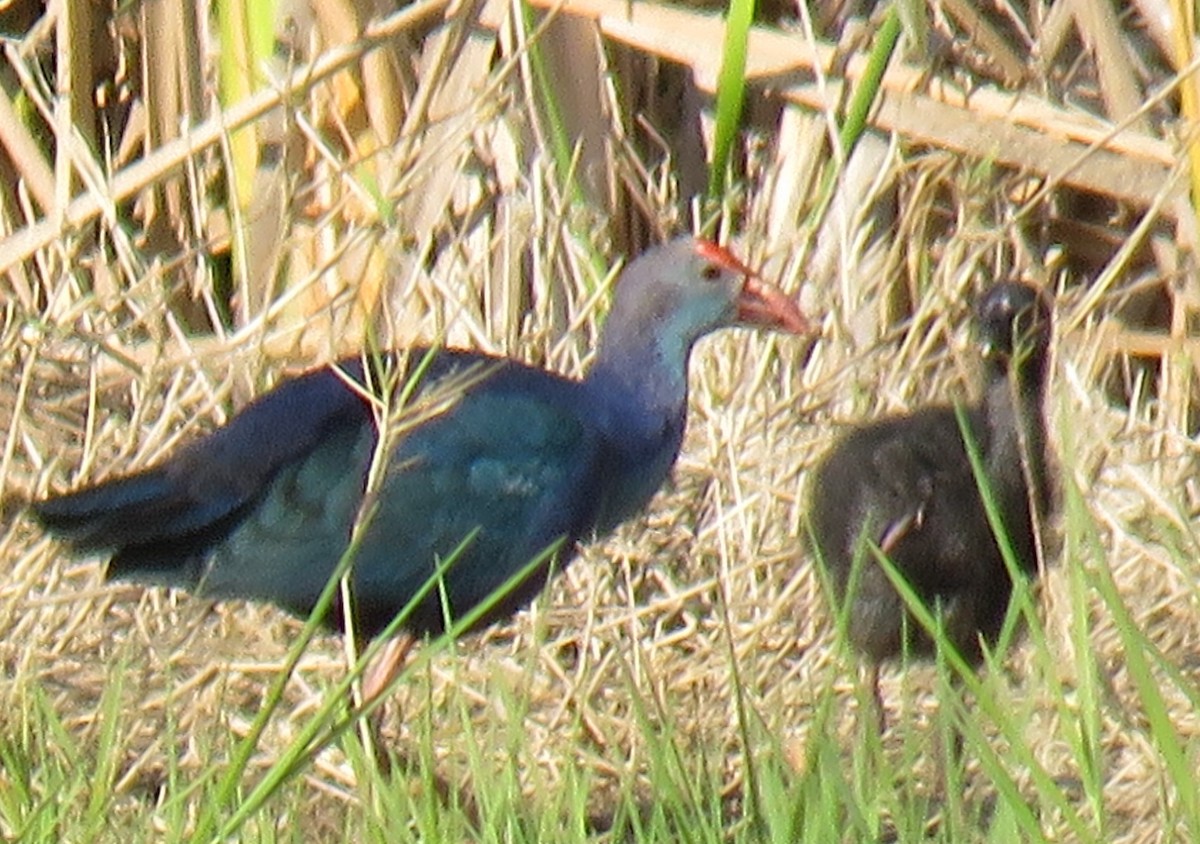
[(685, 288), (1013, 324)]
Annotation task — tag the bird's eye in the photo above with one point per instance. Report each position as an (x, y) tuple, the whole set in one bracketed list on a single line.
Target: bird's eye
[(710, 272)]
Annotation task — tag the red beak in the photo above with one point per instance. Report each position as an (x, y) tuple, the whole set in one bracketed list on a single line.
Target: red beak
[(765, 304), (760, 302)]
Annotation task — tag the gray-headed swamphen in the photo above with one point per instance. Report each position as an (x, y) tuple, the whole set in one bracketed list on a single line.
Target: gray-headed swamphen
[(906, 485), (520, 460)]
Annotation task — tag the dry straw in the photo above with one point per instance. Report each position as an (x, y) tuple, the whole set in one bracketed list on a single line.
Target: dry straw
[(689, 657)]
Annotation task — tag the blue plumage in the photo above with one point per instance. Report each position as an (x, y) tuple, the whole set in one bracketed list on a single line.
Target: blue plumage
[(518, 459)]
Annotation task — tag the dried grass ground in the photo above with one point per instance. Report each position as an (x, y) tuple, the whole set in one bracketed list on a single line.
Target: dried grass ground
[(687, 651), (712, 584)]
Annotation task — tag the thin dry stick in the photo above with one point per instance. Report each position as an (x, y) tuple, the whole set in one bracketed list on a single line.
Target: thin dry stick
[(167, 158), (27, 157), (1017, 130)]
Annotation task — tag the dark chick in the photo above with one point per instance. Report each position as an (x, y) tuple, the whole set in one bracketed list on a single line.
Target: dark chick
[(906, 485), (519, 461)]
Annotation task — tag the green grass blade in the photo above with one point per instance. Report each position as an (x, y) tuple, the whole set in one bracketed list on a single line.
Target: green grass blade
[(731, 94), (867, 89), (316, 735)]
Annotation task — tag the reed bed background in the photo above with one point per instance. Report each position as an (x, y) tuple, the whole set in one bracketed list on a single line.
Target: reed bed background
[(198, 200)]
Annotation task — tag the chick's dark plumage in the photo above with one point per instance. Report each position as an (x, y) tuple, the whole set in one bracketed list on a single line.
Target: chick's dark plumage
[(906, 484)]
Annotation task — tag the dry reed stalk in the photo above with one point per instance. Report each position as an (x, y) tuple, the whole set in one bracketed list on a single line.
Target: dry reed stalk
[(713, 576)]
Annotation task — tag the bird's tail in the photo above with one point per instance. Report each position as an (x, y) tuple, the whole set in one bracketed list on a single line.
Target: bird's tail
[(158, 531), (140, 509)]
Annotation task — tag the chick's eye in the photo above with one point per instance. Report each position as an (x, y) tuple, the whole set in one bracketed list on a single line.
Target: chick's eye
[(710, 272)]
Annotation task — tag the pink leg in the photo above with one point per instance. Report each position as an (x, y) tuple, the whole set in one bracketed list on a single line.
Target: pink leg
[(385, 666), (877, 698)]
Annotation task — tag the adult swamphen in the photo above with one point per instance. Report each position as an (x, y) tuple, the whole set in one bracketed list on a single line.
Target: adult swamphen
[(906, 485), (519, 460)]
